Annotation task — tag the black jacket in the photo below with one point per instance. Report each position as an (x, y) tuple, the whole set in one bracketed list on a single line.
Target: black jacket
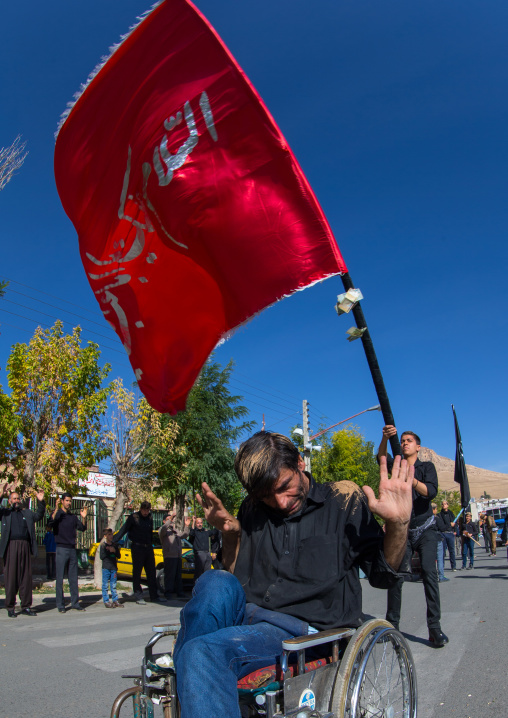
[(31, 518), (65, 525), (139, 529), (447, 517), (109, 558)]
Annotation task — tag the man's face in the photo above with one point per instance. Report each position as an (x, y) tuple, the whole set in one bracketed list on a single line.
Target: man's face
[(434, 510), (409, 446), (290, 491), (468, 518), (199, 523), (168, 518), (144, 512), (14, 499), (66, 503), (445, 505)]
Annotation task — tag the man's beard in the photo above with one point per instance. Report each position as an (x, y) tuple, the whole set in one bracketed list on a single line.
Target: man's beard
[(298, 499)]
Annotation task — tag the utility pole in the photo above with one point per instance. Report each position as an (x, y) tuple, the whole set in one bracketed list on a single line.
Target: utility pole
[(306, 451)]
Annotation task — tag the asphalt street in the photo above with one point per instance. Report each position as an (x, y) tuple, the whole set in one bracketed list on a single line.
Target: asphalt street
[(61, 665)]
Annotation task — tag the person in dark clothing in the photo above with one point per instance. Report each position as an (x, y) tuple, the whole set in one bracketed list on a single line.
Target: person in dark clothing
[(171, 542), (139, 528), (109, 553), (469, 535), (201, 539), (483, 525), (65, 526), (292, 559), (423, 536), (441, 544), (49, 542), (448, 533), (18, 544)]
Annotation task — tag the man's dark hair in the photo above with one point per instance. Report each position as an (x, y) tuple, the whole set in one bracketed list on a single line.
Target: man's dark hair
[(67, 495), (260, 460), (145, 505), (411, 433)]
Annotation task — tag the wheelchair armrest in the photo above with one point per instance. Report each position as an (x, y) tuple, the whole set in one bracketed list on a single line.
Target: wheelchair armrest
[(316, 639), (166, 630)]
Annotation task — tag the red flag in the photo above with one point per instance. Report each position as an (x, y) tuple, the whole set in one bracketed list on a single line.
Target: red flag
[(191, 210)]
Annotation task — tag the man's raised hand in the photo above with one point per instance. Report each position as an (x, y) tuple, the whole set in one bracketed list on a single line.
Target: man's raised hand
[(215, 513), (395, 500)]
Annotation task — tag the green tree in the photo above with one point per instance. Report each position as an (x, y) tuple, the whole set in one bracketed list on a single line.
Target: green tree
[(131, 426), (453, 498), (57, 399), (212, 423), (346, 456)]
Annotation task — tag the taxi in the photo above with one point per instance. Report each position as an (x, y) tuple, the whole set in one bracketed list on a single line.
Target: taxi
[(124, 563)]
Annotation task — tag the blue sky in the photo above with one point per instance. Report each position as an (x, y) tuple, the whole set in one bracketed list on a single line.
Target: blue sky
[(397, 112)]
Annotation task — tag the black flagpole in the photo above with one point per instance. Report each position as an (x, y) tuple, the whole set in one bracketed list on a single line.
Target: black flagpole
[(372, 361)]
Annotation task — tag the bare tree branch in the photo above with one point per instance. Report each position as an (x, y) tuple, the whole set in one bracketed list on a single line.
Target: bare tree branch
[(11, 159)]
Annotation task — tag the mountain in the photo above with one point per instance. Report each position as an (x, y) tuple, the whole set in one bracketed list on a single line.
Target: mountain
[(480, 480)]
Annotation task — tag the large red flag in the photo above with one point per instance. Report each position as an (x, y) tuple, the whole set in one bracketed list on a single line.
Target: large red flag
[(191, 210)]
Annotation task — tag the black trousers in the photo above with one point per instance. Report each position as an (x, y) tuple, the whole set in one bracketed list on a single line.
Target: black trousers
[(50, 565), (173, 576), (66, 557), (426, 547), (143, 558), (18, 574), (202, 563)]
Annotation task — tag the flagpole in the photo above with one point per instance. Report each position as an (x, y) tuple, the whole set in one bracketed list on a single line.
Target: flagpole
[(372, 361)]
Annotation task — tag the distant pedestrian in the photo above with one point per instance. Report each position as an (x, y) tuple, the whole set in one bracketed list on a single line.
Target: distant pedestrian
[(469, 534), (491, 528), (171, 542), (109, 553), (485, 533), (448, 519), (139, 528), (440, 525), (201, 540), (65, 526), (18, 544), (49, 542)]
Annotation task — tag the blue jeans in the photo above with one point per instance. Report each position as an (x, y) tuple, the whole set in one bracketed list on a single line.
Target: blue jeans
[(440, 557), (109, 575), (467, 547), (450, 544), (215, 646)]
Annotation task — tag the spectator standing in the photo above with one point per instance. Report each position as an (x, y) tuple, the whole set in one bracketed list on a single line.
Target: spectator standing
[(490, 527), (485, 533), (139, 529), (109, 553), (49, 542), (171, 541), (201, 540), (423, 535), (440, 525), (448, 534), (65, 526), (17, 546), (469, 532)]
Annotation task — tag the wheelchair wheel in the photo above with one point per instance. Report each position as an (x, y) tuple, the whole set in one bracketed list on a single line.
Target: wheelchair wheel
[(376, 678)]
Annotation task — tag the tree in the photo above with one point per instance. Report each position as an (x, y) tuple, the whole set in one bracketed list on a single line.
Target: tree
[(211, 424), (11, 159), (453, 498), (346, 456), (56, 403), (132, 425)]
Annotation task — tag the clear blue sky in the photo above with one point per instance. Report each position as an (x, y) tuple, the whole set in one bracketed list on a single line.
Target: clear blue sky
[(398, 113)]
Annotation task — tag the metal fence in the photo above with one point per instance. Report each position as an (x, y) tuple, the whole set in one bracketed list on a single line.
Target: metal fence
[(157, 514)]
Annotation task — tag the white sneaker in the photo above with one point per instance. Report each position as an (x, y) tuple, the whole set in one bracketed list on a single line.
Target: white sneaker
[(141, 602)]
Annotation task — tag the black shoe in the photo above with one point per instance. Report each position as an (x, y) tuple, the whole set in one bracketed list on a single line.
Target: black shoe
[(78, 608), (61, 610), (28, 612), (437, 637), (12, 614)]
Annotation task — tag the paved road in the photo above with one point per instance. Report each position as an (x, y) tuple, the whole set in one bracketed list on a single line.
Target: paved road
[(64, 665)]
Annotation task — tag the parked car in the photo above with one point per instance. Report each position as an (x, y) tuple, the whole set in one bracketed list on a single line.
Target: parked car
[(125, 561)]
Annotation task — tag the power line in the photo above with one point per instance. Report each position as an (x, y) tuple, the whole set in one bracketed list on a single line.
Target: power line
[(268, 401), (53, 296), (298, 399)]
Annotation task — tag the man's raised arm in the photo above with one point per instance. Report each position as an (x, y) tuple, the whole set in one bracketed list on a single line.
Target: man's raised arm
[(218, 517)]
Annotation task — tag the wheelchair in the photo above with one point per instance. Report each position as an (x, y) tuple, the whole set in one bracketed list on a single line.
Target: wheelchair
[(368, 674)]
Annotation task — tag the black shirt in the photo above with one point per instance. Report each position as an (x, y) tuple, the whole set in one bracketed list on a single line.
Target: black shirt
[(200, 539), (447, 517), (425, 473), (109, 557), (440, 523), (305, 565), (139, 528), (19, 530), (65, 525)]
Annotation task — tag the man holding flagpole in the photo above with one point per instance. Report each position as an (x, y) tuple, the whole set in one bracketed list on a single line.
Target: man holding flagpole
[(423, 535)]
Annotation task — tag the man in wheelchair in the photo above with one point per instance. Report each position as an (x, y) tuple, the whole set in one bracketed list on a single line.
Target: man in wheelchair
[(292, 559)]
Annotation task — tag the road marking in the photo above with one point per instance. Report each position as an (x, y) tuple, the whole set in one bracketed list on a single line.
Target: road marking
[(115, 661), (79, 639), (97, 615)]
